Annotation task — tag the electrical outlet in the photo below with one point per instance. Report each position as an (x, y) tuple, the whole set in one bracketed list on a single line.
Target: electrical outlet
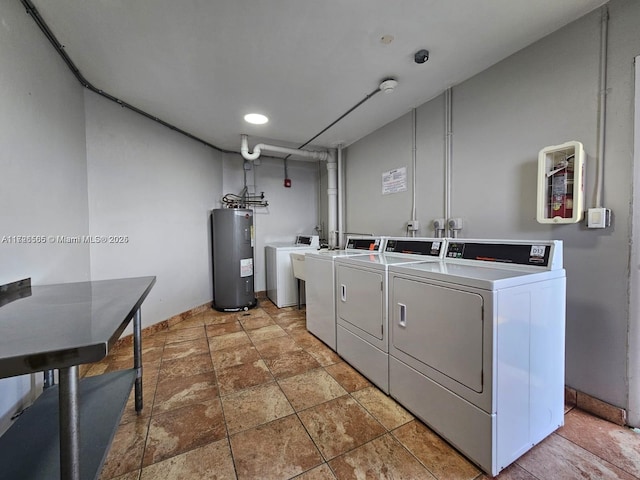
[(413, 225), (598, 217)]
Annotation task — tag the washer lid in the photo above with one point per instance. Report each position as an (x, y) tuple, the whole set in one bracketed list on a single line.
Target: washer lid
[(484, 277), (383, 260), (331, 254)]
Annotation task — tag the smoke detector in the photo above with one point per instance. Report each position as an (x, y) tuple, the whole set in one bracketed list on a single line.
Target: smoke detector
[(388, 85)]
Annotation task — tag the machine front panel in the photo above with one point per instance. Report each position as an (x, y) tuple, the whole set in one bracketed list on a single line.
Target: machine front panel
[(320, 311), (440, 327), (360, 299)]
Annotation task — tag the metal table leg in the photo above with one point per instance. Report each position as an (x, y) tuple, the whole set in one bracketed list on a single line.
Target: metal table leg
[(137, 359), (69, 405)]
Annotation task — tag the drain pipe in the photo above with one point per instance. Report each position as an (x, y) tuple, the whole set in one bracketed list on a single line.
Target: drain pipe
[(257, 150), (448, 139), (413, 168), (602, 106), (329, 157), (332, 198), (340, 198)]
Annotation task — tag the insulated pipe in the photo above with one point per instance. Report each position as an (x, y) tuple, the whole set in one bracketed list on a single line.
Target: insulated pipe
[(448, 139), (340, 198), (332, 180), (257, 150), (332, 197), (413, 164)]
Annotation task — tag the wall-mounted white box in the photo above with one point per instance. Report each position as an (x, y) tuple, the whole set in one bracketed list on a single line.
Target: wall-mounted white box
[(561, 183)]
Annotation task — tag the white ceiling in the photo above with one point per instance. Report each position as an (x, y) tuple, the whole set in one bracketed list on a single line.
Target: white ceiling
[(202, 64)]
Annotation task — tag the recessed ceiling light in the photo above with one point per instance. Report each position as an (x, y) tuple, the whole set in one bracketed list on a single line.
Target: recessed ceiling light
[(255, 118)]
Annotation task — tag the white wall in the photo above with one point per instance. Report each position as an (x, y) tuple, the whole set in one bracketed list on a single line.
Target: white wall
[(43, 174), (156, 187), (544, 95), (291, 211)]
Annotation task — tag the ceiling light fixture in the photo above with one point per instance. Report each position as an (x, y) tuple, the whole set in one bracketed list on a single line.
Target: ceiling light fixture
[(256, 118)]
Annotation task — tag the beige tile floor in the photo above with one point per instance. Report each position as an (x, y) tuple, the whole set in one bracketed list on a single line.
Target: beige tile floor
[(253, 395)]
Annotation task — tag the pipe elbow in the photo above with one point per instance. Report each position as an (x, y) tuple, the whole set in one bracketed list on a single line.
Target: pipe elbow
[(329, 157), (244, 149)]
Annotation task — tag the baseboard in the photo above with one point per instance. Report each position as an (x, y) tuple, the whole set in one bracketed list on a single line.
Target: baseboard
[(127, 341), (595, 406), (165, 324)]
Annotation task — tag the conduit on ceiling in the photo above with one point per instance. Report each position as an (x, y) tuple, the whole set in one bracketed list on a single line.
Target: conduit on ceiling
[(33, 12)]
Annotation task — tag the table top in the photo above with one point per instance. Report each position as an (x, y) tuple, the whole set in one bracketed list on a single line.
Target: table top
[(67, 324)]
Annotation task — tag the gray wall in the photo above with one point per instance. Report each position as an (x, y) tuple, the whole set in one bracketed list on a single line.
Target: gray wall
[(156, 187), (544, 95), (43, 174)]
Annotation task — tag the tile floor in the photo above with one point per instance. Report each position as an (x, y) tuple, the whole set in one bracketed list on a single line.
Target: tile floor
[(253, 395)]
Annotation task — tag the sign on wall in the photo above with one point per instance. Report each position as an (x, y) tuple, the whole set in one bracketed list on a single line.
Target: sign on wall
[(394, 181)]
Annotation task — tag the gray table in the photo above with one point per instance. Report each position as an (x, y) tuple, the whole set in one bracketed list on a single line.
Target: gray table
[(60, 327)]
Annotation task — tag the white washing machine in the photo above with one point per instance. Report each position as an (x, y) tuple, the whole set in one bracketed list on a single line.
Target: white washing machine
[(281, 284), (320, 285), (361, 303), (476, 345)]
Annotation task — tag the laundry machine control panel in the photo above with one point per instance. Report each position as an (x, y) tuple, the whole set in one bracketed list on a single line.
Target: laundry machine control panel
[(430, 248), (308, 240), (545, 254), (373, 244)]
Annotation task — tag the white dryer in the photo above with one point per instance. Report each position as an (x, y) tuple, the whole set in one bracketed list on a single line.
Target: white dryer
[(320, 285), (361, 303), (281, 284), (477, 345)]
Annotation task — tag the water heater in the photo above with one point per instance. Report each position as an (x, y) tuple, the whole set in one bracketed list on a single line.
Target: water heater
[(232, 257)]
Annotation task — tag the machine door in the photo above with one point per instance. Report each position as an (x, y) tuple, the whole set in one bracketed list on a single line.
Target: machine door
[(321, 314), (440, 327), (360, 299)]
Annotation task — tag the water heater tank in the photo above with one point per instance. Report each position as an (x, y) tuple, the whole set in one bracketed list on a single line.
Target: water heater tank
[(232, 256)]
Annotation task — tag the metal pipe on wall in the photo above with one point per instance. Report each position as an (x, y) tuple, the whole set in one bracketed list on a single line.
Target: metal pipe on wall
[(448, 147), (413, 167), (332, 197), (602, 106), (340, 198)]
